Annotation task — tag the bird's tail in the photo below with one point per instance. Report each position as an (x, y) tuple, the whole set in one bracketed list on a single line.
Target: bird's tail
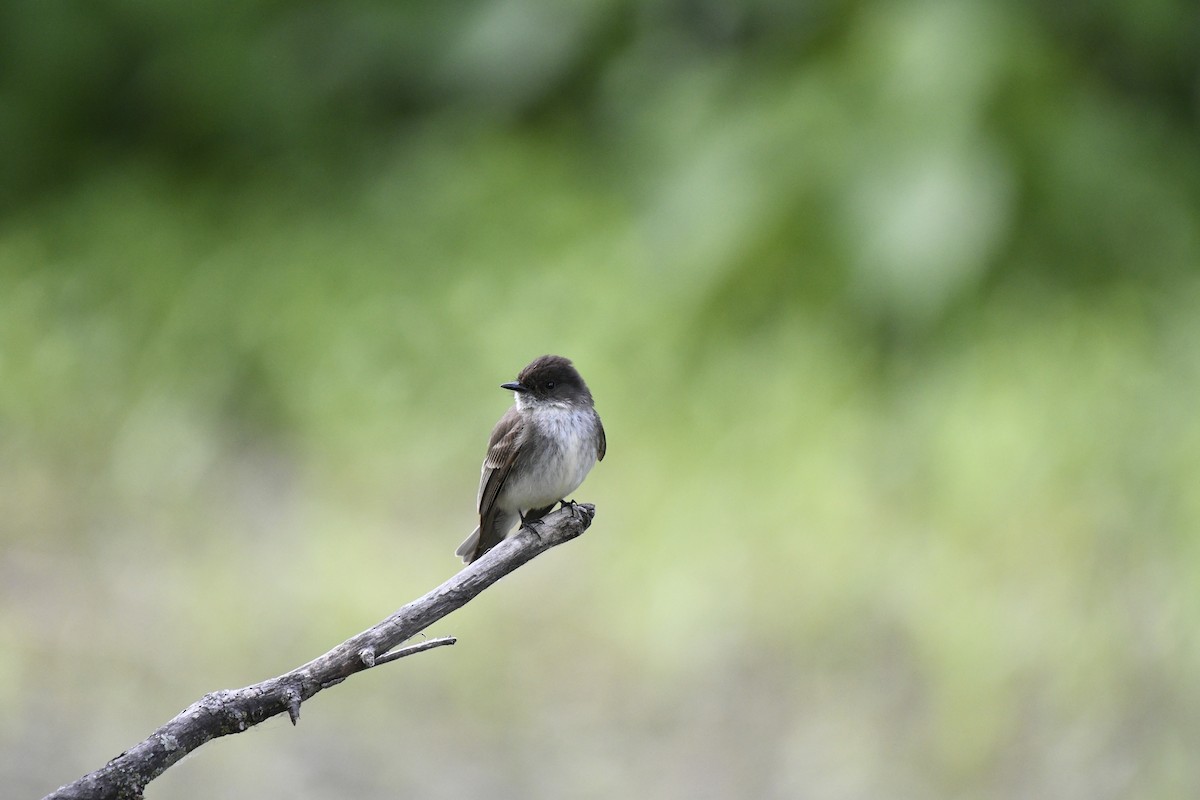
[(467, 549), (498, 524)]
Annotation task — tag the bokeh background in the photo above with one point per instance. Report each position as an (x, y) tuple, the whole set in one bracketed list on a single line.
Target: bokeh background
[(890, 309)]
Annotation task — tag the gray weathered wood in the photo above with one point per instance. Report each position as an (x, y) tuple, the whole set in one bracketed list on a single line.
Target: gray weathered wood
[(235, 710)]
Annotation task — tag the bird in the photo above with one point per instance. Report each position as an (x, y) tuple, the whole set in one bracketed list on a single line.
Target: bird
[(539, 452)]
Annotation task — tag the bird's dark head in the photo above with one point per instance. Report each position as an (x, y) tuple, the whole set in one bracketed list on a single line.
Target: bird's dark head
[(550, 379)]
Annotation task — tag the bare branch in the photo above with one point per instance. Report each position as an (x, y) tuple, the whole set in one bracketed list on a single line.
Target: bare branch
[(413, 649), (235, 710)]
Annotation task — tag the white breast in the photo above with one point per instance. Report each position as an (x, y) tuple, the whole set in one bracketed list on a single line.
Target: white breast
[(560, 470)]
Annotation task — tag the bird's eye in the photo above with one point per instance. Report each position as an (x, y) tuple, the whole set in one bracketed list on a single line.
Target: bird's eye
[(549, 386)]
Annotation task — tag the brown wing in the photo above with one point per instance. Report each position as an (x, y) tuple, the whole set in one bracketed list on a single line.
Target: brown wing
[(502, 452), (603, 445)]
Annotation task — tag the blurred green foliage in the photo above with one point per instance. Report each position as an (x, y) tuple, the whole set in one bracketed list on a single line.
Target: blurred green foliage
[(889, 309)]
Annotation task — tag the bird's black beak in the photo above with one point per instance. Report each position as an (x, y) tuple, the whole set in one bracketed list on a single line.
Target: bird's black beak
[(514, 387)]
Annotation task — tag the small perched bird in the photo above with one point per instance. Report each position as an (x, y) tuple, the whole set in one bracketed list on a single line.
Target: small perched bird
[(540, 451)]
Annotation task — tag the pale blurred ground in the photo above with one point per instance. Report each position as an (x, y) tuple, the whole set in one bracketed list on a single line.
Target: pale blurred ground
[(890, 311)]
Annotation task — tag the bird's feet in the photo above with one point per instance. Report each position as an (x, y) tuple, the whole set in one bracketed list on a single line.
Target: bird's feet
[(532, 519), (577, 511)]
